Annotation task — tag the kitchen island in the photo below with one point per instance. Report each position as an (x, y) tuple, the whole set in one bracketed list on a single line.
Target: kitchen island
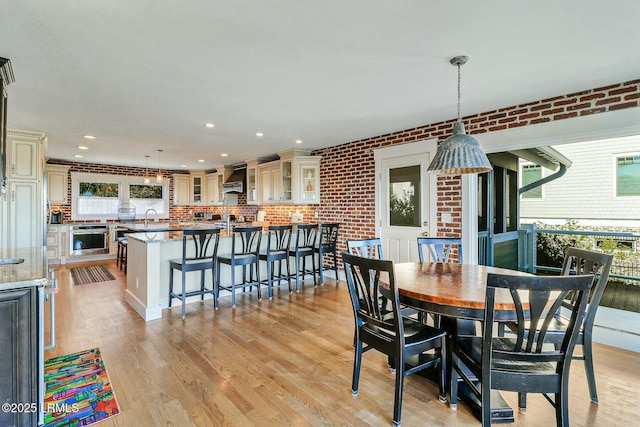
[(23, 276), (148, 255)]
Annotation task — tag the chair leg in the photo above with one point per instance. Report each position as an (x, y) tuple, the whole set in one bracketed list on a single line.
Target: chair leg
[(297, 273), (216, 292), (587, 351), (170, 286), (442, 386), (257, 279), (562, 408), (335, 265), (397, 403), (201, 286), (270, 278), (522, 402), (183, 296), (288, 273), (320, 268), (233, 286), (357, 362), (453, 387)]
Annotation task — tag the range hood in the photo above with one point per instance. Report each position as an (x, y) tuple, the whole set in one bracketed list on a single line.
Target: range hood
[(235, 182)]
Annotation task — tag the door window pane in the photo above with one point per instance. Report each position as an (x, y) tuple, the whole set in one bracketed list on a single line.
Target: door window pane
[(628, 176), (404, 197)]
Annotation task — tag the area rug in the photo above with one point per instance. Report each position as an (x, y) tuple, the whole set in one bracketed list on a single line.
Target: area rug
[(90, 274), (77, 390)]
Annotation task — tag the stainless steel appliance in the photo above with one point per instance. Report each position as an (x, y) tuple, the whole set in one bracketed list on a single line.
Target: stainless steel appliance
[(88, 239)]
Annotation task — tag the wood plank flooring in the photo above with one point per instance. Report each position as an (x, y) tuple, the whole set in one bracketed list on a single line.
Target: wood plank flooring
[(284, 362)]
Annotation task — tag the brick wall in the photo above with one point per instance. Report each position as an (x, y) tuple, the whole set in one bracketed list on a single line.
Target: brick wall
[(347, 183)]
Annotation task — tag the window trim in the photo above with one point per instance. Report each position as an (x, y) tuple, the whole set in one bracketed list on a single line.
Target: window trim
[(123, 182), (616, 156)]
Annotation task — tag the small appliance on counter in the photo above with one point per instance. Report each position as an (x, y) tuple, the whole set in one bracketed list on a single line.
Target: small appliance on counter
[(260, 216), (296, 217), (57, 217)]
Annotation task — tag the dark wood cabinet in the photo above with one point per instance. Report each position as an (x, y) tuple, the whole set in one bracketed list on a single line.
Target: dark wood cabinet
[(19, 350)]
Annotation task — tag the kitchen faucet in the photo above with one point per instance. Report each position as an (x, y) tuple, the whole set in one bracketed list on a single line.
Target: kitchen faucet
[(146, 220), (225, 205)]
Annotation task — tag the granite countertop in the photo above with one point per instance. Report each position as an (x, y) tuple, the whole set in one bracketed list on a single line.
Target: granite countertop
[(31, 272)]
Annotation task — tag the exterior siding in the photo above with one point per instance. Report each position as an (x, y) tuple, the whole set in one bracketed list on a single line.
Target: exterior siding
[(589, 184)]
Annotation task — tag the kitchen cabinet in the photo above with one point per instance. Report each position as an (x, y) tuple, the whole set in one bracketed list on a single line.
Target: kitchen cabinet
[(181, 189), (57, 184), (58, 244), (253, 182), (25, 154), (197, 188), (19, 354), (270, 179), (215, 193), (300, 174), (25, 216)]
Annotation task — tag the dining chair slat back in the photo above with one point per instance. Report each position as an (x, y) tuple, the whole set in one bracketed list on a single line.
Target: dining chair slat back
[(522, 363), (440, 248), (391, 333), (367, 248)]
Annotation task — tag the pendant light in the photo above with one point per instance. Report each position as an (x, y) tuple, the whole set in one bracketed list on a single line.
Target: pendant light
[(460, 153), (146, 175), (159, 176)]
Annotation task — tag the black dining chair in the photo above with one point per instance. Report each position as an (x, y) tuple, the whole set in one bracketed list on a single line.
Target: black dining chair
[(580, 262), (523, 363), (367, 248), (303, 247), (245, 253), (399, 337), (277, 250), (327, 243), (440, 248), (199, 248)]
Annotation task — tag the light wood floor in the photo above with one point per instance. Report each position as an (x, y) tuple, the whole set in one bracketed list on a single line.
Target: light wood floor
[(282, 362)]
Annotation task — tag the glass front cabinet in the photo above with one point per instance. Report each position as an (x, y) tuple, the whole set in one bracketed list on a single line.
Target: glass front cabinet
[(252, 181), (300, 177)]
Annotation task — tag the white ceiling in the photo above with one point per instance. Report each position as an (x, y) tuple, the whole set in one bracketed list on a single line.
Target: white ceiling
[(148, 74)]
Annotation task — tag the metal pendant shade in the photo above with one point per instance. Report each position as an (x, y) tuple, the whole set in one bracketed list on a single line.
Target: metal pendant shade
[(460, 153)]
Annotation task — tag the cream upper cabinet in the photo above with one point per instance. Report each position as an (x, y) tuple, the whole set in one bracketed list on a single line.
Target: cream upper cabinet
[(300, 175), (197, 188), (57, 184), (26, 151), (253, 181), (270, 178), (212, 189), (181, 189)]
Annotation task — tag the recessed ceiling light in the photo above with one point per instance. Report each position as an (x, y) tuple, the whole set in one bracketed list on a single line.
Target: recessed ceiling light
[(298, 141), (209, 125), (89, 136), (259, 134), (184, 166), (82, 147), (224, 154), (79, 156), (201, 161)]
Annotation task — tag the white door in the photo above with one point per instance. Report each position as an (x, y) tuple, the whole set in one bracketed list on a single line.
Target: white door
[(405, 198)]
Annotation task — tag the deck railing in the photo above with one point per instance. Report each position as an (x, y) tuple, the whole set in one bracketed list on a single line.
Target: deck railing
[(527, 260)]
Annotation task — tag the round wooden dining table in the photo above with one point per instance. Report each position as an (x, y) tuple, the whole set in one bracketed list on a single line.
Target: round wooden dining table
[(451, 289)]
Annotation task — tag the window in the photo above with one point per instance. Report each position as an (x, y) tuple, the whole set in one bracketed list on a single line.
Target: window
[(98, 196), (531, 173), (145, 197), (404, 201), (628, 176)]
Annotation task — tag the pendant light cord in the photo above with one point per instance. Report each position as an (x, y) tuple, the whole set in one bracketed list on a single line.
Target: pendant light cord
[(459, 92)]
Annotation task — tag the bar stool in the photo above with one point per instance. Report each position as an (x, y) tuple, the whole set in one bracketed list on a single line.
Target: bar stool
[(205, 244), (327, 242), (245, 248), (304, 247), (121, 256), (278, 242)]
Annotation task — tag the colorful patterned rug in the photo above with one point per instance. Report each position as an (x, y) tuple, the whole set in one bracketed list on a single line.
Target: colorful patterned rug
[(90, 274), (77, 390)]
